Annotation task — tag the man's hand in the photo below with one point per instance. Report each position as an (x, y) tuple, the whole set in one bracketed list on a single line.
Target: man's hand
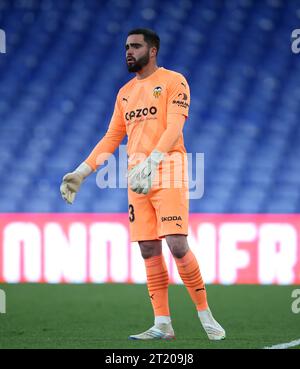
[(72, 182), (141, 176)]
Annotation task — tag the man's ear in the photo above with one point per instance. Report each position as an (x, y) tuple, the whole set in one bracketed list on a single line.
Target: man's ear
[(153, 51)]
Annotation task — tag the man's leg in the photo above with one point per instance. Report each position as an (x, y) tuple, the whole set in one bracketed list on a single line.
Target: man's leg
[(157, 283), (188, 269), (157, 279)]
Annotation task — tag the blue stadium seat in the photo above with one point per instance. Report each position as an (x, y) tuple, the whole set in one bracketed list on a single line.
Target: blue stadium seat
[(65, 64)]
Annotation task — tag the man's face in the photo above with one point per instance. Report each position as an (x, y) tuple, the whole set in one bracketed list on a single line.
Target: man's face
[(137, 53)]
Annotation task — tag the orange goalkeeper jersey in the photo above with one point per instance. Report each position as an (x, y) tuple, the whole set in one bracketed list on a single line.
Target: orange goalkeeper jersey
[(141, 111)]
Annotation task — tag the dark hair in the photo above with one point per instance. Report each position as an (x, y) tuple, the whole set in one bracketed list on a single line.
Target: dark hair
[(150, 37)]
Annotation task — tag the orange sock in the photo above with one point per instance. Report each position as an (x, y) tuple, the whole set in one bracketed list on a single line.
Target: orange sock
[(157, 282), (188, 269)]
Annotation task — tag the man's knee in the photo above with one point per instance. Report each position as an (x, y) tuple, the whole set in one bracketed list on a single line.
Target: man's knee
[(178, 245), (150, 248)]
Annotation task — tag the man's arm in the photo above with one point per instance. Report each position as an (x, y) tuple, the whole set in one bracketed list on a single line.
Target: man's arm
[(105, 147), (169, 138), (111, 140)]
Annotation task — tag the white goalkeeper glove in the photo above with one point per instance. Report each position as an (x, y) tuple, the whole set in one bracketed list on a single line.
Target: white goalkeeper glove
[(141, 176), (72, 182)]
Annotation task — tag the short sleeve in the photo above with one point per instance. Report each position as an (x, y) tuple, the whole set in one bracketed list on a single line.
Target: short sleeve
[(178, 96)]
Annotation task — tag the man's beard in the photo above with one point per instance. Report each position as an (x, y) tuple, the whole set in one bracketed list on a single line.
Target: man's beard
[(138, 64)]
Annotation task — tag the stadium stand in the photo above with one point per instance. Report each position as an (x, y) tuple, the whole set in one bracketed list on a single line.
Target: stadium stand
[(64, 64)]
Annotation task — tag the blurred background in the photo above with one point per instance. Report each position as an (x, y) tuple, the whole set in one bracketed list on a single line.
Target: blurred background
[(64, 64)]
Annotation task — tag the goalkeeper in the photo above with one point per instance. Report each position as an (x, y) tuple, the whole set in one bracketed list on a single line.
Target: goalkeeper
[(151, 110)]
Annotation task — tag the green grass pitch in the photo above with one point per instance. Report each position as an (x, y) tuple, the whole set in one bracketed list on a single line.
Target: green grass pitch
[(102, 316)]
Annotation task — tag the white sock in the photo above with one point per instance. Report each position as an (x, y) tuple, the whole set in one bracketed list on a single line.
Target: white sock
[(205, 316), (162, 320)]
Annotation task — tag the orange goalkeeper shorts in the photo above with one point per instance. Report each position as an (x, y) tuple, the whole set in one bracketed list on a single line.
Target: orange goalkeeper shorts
[(162, 212)]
